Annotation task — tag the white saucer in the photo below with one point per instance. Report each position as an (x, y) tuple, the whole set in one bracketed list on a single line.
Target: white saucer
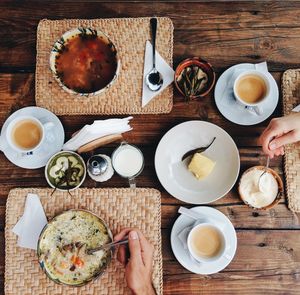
[(174, 175), (239, 115), (39, 158), (183, 256)]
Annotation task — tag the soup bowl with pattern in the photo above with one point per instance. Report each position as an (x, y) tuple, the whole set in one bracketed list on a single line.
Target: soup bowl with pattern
[(84, 61)]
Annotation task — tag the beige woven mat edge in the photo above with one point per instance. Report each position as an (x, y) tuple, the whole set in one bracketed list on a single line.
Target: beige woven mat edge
[(291, 98), (31, 280), (114, 101)]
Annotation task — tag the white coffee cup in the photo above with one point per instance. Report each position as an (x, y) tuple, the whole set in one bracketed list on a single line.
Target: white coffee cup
[(223, 246), (252, 106), (44, 127)]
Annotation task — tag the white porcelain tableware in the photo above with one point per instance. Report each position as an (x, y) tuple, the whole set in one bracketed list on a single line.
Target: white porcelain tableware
[(53, 140), (201, 258), (182, 254), (44, 127), (233, 111), (255, 106), (173, 173)]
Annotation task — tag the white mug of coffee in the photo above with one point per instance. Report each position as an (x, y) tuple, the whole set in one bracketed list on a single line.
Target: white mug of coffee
[(128, 162), (207, 243), (251, 88), (25, 134)]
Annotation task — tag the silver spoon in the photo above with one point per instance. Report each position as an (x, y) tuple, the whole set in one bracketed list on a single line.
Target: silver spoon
[(108, 246), (265, 171), (154, 79)]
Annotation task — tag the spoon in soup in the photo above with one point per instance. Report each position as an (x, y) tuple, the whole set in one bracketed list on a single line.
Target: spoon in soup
[(154, 79)]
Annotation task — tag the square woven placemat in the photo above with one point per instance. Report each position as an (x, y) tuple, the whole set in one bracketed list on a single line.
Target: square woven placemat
[(125, 95), (291, 98), (118, 207)]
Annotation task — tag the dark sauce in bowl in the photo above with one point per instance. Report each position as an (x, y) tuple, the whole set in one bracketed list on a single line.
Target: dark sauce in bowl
[(86, 63)]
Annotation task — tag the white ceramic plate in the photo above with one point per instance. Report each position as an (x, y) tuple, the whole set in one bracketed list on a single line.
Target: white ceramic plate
[(183, 256), (51, 146), (229, 108), (178, 180)]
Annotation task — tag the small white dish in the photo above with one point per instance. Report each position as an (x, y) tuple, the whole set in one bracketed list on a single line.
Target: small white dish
[(183, 256), (173, 173), (235, 112), (52, 144)]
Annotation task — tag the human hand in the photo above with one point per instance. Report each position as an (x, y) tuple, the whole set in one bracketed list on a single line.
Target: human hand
[(137, 261), (280, 131)]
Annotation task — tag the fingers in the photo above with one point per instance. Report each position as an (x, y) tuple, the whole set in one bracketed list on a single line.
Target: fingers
[(134, 247), (282, 140), (142, 250), (122, 234), (265, 139), (122, 254), (147, 250)]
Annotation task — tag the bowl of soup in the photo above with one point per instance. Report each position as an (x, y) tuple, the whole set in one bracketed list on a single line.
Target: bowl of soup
[(84, 61), (64, 243)]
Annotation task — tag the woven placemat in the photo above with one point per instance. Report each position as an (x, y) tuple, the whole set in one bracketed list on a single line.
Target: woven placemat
[(125, 96), (291, 98), (118, 207)]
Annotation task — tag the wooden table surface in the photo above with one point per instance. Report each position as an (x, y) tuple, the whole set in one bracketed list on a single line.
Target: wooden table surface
[(268, 254)]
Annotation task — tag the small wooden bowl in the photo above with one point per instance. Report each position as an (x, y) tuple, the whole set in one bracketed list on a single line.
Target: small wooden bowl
[(204, 66), (280, 187)]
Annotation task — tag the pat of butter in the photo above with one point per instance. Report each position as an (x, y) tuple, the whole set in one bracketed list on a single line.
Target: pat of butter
[(201, 166)]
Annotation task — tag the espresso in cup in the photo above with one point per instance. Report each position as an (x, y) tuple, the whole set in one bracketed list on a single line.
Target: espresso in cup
[(206, 242), (251, 88), (26, 134)]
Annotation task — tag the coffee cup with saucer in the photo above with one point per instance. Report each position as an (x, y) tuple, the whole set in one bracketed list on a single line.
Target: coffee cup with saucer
[(232, 109), (179, 240), (257, 90), (51, 139), (206, 242), (35, 141)]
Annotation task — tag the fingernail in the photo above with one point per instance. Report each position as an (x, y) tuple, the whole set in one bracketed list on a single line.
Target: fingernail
[(133, 235), (272, 146)]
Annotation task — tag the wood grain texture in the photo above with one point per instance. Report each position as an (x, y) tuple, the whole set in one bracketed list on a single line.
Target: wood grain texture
[(224, 33)]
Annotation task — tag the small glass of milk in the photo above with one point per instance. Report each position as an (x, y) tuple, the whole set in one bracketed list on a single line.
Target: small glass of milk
[(128, 162)]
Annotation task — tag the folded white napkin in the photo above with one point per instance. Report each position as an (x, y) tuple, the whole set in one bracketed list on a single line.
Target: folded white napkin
[(228, 96), (96, 130), (30, 225), (161, 65)]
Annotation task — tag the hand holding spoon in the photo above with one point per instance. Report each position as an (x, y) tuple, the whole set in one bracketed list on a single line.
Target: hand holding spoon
[(108, 246), (154, 79)]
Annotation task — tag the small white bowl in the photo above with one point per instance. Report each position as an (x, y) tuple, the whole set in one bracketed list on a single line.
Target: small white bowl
[(70, 153), (59, 44)]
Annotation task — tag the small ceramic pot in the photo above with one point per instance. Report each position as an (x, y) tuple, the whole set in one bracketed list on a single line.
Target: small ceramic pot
[(65, 153), (205, 67)]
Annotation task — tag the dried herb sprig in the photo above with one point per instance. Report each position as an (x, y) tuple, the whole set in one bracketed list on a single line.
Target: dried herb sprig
[(192, 80), (197, 150)]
